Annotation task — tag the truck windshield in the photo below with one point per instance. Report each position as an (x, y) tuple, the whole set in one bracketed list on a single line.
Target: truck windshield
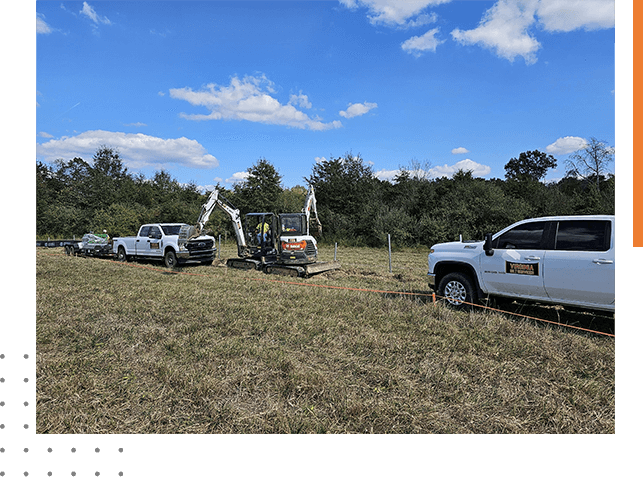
[(171, 229)]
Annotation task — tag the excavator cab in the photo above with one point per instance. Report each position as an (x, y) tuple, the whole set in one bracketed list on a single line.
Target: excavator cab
[(292, 224), (260, 234)]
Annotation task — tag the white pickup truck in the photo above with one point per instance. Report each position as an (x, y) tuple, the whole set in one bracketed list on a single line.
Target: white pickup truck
[(167, 242), (566, 260)]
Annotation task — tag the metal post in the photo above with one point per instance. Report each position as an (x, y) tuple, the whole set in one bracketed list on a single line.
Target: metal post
[(335, 258), (219, 245), (390, 269)]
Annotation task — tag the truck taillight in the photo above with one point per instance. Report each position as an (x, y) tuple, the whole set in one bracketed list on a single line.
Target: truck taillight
[(294, 245)]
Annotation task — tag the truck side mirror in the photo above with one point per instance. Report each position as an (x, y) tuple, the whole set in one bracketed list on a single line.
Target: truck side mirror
[(488, 248)]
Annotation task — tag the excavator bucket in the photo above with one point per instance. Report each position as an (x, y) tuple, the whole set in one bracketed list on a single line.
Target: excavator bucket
[(316, 224)]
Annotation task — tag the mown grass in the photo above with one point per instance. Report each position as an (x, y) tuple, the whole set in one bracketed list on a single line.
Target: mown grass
[(125, 348)]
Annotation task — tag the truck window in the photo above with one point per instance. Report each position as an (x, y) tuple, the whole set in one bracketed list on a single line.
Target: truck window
[(527, 236), (584, 235), (154, 232), (171, 229), (144, 231)]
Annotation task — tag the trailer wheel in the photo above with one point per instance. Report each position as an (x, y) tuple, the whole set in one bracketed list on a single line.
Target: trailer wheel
[(69, 250), (170, 259), (121, 255)]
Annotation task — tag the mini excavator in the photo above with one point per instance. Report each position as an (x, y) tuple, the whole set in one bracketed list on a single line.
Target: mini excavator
[(273, 243)]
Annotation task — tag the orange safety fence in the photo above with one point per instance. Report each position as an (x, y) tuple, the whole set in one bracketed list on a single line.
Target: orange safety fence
[(434, 297)]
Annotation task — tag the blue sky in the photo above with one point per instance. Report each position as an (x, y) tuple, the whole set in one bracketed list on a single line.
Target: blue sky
[(205, 89)]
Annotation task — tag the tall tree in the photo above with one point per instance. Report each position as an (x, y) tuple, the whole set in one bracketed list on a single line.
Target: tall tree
[(591, 163), (342, 184), (530, 165), (107, 174), (261, 190)]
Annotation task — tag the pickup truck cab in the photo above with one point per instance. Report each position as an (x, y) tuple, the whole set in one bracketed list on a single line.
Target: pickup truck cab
[(566, 260), (167, 242)]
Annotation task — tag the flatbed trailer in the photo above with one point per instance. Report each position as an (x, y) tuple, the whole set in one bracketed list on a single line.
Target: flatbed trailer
[(56, 243), (90, 246)]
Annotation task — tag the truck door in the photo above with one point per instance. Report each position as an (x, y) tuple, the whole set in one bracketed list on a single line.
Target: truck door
[(516, 266), (150, 246), (580, 268)]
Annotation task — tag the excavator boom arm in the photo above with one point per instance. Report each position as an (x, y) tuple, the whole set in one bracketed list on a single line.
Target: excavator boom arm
[(310, 205), (208, 207)]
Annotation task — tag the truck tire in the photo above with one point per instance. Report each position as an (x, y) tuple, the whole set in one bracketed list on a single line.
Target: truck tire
[(121, 255), (458, 290), (170, 259)]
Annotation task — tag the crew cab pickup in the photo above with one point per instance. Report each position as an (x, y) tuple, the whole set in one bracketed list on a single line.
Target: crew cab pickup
[(565, 260), (167, 242)]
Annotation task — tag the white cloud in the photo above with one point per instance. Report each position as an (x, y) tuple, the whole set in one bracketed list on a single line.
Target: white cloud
[(44, 134), (566, 145), (357, 109), (136, 150), (237, 177), (90, 13), (459, 150), (300, 100), (248, 99), (319, 160), (569, 15), (386, 175), (505, 27), (41, 26), (418, 45), (478, 170), (396, 13)]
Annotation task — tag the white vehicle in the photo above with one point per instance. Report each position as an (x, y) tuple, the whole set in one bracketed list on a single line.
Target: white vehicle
[(168, 242), (566, 260)]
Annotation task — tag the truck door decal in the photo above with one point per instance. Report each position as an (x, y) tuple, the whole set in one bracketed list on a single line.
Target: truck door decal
[(521, 268)]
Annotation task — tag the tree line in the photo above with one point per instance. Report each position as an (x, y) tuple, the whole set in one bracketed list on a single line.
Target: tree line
[(355, 207)]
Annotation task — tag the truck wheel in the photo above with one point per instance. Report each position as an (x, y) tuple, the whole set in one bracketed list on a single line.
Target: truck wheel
[(458, 291), (170, 259), (121, 255)]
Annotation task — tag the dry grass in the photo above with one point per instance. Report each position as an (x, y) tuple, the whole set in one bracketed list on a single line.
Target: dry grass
[(128, 349)]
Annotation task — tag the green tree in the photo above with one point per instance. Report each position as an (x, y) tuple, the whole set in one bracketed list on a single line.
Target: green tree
[(530, 165), (343, 187), (261, 190), (120, 220), (291, 200), (107, 175)]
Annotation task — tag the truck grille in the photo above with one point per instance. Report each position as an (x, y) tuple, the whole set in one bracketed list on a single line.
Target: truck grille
[(200, 245)]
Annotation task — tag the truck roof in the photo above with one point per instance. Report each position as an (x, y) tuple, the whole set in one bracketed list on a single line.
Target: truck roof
[(569, 217), (163, 223)]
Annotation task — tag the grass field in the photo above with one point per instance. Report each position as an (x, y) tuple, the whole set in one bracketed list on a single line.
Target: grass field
[(134, 348)]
